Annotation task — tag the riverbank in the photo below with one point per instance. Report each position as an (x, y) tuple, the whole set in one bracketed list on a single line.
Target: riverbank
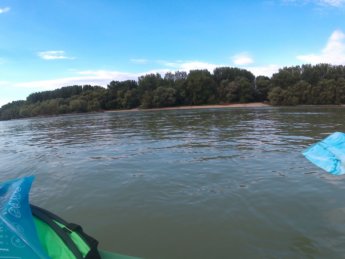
[(193, 107)]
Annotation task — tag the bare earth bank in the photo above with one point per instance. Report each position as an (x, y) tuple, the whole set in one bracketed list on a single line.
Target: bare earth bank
[(216, 106)]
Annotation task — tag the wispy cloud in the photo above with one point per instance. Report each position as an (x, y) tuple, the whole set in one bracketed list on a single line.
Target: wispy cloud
[(4, 83), (242, 59), (172, 66), (183, 65), (53, 54), (324, 3), (93, 77), (4, 101), (333, 52), (104, 77), (188, 65), (333, 3), (266, 70), (140, 61), (4, 10), (191, 65)]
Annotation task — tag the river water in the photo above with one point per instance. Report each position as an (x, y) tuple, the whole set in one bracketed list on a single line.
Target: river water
[(211, 183)]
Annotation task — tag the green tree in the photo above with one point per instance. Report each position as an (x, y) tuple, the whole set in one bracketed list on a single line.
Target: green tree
[(328, 91), (300, 92), (11, 110), (163, 97), (200, 88), (78, 105), (263, 86), (276, 96), (147, 100), (286, 77), (150, 82), (340, 91), (238, 90), (228, 91), (122, 95), (231, 73), (131, 99)]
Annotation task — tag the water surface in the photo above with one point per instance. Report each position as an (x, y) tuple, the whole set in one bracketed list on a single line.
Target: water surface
[(212, 183)]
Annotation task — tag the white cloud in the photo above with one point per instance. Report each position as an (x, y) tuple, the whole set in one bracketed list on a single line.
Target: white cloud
[(242, 59), (172, 64), (53, 54), (324, 3), (140, 61), (191, 65), (333, 52), (4, 10), (4, 101), (268, 70), (334, 3), (3, 83), (181, 65), (92, 77), (104, 77), (161, 71)]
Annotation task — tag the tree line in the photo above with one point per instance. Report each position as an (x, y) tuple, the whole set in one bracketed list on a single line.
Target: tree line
[(306, 84)]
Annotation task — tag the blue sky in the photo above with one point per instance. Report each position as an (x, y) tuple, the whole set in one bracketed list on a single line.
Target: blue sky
[(49, 44)]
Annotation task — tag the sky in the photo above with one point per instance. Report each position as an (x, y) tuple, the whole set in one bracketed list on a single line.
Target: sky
[(45, 45)]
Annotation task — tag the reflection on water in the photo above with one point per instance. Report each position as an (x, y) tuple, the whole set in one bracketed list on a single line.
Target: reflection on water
[(213, 183)]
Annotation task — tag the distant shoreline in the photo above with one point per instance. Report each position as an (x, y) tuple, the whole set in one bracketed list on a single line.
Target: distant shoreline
[(197, 107)]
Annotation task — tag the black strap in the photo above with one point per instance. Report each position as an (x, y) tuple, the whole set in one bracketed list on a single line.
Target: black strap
[(93, 243), (45, 216), (50, 215)]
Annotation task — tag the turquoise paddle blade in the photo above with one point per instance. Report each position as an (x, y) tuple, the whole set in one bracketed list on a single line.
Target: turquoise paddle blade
[(18, 237), (329, 153)]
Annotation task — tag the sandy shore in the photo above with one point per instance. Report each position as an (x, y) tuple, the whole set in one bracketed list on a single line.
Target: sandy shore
[(216, 106)]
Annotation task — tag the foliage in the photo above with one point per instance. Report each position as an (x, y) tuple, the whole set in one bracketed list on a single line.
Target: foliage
[(200, 88), (306, 84), (263, 86), (231, 73), (164, 96)]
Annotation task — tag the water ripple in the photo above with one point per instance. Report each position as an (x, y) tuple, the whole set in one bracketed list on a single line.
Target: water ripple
[(233, 180)]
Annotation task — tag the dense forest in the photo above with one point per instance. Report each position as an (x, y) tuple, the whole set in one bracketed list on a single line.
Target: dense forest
[(306, 84)]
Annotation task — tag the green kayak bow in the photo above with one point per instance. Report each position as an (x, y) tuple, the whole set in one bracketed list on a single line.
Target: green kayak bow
[(30, 232)]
